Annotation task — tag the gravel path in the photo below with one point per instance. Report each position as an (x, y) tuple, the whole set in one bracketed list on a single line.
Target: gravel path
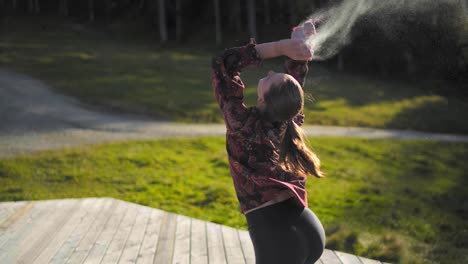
[(33, 118)]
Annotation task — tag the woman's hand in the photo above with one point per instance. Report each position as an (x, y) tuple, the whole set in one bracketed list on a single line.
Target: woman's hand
[(295, 49), (301, 33), (304, 31)]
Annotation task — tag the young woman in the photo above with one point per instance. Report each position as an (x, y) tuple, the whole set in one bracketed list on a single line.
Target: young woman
[(268, 159)]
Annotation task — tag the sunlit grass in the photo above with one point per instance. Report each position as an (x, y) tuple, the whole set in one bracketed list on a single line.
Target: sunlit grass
[(398, 201)]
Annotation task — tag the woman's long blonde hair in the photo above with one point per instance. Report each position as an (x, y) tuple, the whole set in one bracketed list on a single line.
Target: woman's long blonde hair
[(282, 103)]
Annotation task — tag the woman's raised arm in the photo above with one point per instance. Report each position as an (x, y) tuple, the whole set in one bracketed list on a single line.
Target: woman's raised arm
[(295, 49)]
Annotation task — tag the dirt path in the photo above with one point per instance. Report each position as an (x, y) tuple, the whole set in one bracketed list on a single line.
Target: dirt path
[(33, 118)]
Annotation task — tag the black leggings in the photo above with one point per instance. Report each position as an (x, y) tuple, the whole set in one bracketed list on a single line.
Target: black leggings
[(286, 233)]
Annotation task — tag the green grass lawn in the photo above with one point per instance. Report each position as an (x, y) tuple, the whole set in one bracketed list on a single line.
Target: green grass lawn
[(124, 68), (398, 201)]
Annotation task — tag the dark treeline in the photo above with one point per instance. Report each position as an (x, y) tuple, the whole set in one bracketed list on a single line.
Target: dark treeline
[(174, 18), (426, 44), (430, 43)]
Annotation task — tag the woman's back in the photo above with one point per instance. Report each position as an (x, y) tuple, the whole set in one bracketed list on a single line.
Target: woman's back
[(267, 156), (253, 143)]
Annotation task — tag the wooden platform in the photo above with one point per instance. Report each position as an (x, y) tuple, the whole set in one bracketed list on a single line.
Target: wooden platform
[(106, 230)]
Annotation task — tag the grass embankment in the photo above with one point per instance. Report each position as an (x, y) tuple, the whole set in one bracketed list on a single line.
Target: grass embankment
[(399, 201), (124, 68)]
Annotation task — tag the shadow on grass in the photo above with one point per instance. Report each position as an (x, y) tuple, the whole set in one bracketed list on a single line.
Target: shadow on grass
[(445, 115), (358, 90), (409, 192)]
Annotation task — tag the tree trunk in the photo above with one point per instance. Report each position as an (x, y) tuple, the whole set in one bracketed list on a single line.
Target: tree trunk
[(91, 10), (292, 12), (235, 20), (281, 14), (65, 7), (31, 6), (14, 4), (162, 21), (108, 4), (464, 7), (266, 6), (141, 5), (178, 20), (217, 22), (252, 19), (2, 8), (340, 62), (237, 16), (37, 8), (410, 64)]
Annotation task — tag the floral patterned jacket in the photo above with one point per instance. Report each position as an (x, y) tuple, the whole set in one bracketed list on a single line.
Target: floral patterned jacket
[(252, 144)]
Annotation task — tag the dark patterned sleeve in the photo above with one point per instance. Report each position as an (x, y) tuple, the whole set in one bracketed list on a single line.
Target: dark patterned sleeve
[(298, 70), (227, 85)]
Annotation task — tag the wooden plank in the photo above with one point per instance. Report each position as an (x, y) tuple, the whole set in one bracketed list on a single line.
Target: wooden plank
[(134, 242), (82, 249), (181, 253), (216, 252), (105, 238), (62, 235), (114, 251), (22, 228), (369, 261), (42, 232), (319, 261), (232, 246), (7, 204), (8, 209), (329, 257), (166, 239), (247, 247), (199, 249), (79, 232), (18, 220), (150, 241), (347, 258), (38, 241)]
